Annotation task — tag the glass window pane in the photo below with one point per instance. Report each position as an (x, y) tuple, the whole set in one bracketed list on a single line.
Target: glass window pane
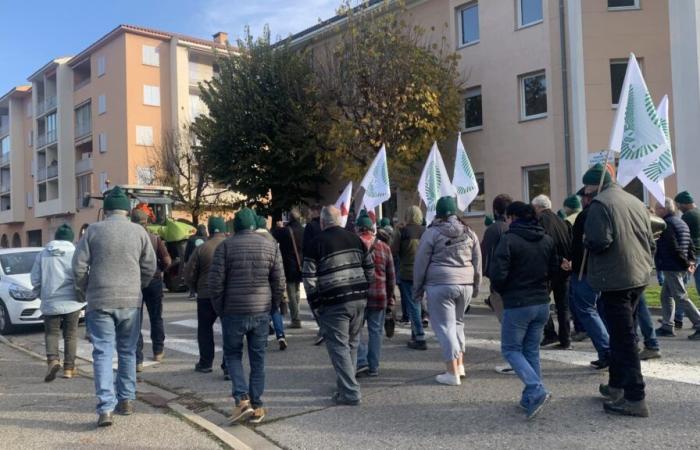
[(537, 182), (530, 11), (621, 3), (470, 24), (472, 109), (479, 203), (535, 95), (617, 77)]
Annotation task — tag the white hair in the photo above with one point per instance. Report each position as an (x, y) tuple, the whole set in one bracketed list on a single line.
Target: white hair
[(542, 202), (330, 217), (669, 205)]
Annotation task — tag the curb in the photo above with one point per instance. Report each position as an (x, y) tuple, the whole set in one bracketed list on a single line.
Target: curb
[(165, 399)]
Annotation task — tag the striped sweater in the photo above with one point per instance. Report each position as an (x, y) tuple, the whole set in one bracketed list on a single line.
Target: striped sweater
[(337, 268)]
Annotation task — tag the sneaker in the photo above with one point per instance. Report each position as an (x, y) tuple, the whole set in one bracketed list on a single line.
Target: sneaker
[(199, 367), (505, 370), (404, 321), (448, 379), (665, 332), (417, 345), (319, 340), (624, 407), (649, 353), (695, 336), (678, 324), (139, 367), (258, 415), (125, 407), (461, 371), (373, 373), (537, 407), (611, 393), (548, 341), (158, 357), (295, 324), (241, 412), (563, 347), (105, 419), (600, 364), (282, 343), (579, 337), (54, 367), (70, 373), (426, 323), (338, 400), (361, 370), (227, 377)]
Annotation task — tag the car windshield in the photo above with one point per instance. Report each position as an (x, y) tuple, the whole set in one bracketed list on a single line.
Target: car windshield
[(17, 263)]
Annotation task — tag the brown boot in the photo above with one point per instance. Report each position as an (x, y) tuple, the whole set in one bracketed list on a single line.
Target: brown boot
[(54, 367), (70, 373), (241, 412)]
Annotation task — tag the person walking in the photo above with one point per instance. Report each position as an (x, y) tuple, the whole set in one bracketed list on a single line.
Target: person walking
[(275, 313), (560, 232), (197, 239), (380, 297), (691, 216), (52, 280), (337, 273), (112, 263), (197, 278), (153, 295), (410, 237), (290, 239), (620, 245), (492, 236), (311, 231), (675, 257), (448, 269), (246, 281), (523, 265)]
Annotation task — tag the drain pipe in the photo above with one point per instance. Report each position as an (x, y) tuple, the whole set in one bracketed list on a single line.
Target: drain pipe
[(565, 95)]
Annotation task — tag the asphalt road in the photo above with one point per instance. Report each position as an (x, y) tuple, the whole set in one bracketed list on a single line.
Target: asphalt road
[(405, 408)]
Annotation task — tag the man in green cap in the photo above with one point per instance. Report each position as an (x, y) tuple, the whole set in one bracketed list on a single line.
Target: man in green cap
[(197, 278), (246, 282), (112, 263), (691, 216), (620, 246), (572, 207)]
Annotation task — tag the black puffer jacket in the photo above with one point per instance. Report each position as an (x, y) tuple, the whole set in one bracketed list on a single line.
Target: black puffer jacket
[(674, 248), (522, 265), (246, 275), (560, 232), (292, 267)]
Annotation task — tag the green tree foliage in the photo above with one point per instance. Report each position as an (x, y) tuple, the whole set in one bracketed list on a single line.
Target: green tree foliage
[(263, 131), (387, 81)]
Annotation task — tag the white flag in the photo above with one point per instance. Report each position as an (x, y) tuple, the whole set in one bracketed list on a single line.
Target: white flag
[(434, 183), (464, 180), (636, 132), (343, 204), (376, 182), (653, 175)]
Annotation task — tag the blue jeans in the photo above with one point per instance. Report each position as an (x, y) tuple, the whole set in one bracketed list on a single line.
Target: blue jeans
[(646, 324), (252, 327), (110, 328), (414, 310), (368, 355), (521, 333), (277, 323), (584, 302)]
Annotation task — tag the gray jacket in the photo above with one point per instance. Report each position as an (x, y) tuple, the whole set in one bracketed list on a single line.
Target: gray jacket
[(246, 276), (619, 239), (112, 262), (448, 253), (52, 278)]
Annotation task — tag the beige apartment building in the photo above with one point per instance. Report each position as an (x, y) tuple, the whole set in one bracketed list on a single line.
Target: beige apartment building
[(542, 79), (93, 120)]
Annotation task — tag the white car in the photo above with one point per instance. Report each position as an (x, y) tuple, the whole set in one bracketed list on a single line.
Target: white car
[(18, 303)]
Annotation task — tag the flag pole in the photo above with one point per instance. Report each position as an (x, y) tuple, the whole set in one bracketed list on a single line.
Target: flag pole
[(600, 186)]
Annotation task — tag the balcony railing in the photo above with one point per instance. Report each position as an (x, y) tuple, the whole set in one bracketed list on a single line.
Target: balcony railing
[(45, 105), (5, 188), (50, 102), (41, 174), (47, 138), (83, 129), (51, 172), (4, 129), (83, 165), (80, 84), (4, 159)]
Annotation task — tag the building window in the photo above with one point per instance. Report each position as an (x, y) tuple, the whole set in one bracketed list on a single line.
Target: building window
[(102, 104), (533, 96), (16, 241), (623, 4), (30, 200), (468, 17), (34, 238), (83, 188), (83, 120), (144, 135), (145, 175), (151, 56), (151, 95), (618, 68), (5, 146), (30, 138), (478, 205), (104, 182), (472, 109), (102, 142), (536, 182), (529, 12), (101, 65)]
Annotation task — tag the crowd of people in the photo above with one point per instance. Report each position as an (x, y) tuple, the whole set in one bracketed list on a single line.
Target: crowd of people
[(594, 258)]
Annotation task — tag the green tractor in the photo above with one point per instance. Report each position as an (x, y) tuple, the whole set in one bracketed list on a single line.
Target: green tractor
[(157, 201)]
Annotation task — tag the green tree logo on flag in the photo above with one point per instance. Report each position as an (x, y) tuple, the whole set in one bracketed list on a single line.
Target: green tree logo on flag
[(631, 148)]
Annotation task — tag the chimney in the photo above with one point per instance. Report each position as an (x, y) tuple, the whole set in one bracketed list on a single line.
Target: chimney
[(221, 37)]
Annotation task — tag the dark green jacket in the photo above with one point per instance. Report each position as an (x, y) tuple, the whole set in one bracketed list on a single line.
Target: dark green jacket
[(619, 241)]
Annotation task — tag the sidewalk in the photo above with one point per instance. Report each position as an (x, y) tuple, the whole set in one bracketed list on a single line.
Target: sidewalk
[(61, 414)]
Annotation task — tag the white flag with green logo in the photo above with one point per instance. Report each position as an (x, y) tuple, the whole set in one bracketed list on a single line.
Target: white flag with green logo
[(434, 183), (464, 180), (636, 132), (653, 175), (376, 182), (343, 204)]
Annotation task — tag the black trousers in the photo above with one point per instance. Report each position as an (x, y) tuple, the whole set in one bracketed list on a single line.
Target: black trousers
[(206, 317), (153, 299), (560, 289), (625, 371)]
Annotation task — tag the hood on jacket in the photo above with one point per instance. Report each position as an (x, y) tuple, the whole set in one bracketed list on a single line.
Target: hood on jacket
[(59, 248), (414, 215), (451, 227), (529, 231)]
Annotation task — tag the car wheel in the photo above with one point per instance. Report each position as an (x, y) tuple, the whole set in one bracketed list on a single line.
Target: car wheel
[(6, 326)]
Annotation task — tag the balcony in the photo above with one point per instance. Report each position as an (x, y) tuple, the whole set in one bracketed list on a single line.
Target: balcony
[(48, 138), (4, 129), (4, 159), (82, 130), (5, 187), (46, 173), (83, 166), (45, 105)]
